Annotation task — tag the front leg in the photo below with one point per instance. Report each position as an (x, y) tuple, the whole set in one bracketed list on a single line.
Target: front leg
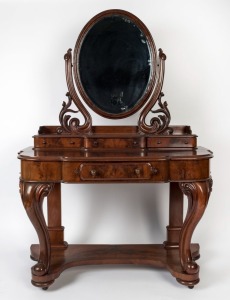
[(33, 194), (198, 195)]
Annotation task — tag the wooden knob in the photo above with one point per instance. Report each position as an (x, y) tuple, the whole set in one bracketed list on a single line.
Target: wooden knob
[(77, 171), (155, 171), (93, 172), (137, 172), (95, 143)]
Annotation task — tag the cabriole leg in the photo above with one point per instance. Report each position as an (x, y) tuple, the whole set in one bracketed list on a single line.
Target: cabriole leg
[(198, 195), (32, 195)]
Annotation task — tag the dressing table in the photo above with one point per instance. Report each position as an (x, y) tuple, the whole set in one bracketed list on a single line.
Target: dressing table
[(116, 71)]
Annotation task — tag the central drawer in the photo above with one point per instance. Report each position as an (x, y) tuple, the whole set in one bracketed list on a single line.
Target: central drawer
[(154, 171), (113, 171)]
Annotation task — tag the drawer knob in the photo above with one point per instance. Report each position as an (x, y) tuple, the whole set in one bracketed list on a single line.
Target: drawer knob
[(95, 143), (77, 171), (93, 172), (137, 172), (155, 171)]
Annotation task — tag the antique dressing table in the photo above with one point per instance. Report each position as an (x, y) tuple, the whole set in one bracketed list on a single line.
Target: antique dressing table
[(117, 72)]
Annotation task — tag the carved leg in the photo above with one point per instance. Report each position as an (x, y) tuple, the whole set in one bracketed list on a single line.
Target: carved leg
[(32, 195), (198, 195)]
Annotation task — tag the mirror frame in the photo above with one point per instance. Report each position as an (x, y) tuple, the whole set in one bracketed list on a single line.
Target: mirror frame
[(153, 57)]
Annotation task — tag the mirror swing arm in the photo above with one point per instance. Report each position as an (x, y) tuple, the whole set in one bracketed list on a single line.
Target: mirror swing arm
[(158, 124), (68, 124), (153, 151)]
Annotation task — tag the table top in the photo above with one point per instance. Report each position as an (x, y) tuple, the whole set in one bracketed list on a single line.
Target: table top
[(31, 154)]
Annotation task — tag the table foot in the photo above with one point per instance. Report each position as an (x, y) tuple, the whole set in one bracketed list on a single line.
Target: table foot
[(189, 284), (43, 285)]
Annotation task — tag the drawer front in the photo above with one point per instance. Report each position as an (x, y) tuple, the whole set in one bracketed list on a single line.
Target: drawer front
[(115, 171), (171, 142), (58, 142), (114, 143), (127, 172)]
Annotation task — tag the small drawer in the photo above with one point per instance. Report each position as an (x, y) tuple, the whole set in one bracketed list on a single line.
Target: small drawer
[(114, 143), (57, 142), (171, 142)]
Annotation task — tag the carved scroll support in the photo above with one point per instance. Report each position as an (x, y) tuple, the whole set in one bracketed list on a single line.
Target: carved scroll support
[(198, 195), (32, 195), (159, 124), (69, 124)]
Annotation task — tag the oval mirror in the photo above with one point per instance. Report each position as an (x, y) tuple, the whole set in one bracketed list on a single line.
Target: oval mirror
[(114, 63)]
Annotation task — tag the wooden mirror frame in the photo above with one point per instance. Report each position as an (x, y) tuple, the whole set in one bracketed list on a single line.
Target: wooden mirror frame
[(158, 124), (152, 52)]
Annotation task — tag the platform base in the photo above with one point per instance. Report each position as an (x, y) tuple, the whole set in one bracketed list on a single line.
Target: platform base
[(146, 255)]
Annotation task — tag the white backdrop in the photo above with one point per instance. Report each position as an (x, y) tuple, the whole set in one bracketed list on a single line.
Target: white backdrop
[(34, 35)]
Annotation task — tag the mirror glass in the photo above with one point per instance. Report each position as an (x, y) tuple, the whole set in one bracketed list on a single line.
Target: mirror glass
[(114, 66)]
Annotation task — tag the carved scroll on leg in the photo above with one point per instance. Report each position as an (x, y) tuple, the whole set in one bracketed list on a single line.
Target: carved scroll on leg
[(198, 195), (32, 195)]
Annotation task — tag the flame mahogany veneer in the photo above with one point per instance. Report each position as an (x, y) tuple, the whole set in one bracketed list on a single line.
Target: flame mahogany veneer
[(76, 152)]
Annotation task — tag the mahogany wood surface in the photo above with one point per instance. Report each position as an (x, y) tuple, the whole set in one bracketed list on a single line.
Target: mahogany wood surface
[(80, 153), (43, 169), (140, 255)]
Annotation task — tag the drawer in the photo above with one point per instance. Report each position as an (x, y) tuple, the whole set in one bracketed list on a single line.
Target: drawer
[(171, 142), (57, 142), (115, 171), (112, 171), (114, 143)]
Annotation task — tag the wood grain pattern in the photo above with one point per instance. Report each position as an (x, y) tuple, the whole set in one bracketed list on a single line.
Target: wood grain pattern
[(140, 255), (149, 152)]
